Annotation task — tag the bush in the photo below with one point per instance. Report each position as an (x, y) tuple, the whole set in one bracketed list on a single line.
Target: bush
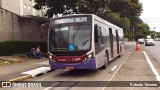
[(19, 47)]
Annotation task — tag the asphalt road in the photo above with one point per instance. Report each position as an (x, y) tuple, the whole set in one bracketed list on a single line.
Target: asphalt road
[(85, 75), (154, 51), (81, 75)]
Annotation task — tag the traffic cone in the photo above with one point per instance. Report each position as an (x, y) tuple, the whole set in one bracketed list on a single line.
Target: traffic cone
[(137, 47)]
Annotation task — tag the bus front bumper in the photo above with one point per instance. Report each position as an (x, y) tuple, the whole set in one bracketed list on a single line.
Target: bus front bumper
[(90, 64)]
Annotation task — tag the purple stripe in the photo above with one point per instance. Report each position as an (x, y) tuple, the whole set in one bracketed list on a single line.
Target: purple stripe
[(91, 64)]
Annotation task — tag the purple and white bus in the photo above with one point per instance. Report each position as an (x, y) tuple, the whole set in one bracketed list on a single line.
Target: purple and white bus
[(83, 41)]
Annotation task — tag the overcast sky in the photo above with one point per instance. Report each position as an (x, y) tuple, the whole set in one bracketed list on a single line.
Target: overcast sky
[(151, 13)]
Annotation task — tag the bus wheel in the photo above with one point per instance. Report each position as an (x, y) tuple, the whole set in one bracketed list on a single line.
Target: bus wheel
[(120, 54), (106, 62), (103, 67)]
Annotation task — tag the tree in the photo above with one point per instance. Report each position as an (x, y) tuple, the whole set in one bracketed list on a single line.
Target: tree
[(119, 21), (123, 13), (127, 8), (142, 30), (158, 34), (64, 7)]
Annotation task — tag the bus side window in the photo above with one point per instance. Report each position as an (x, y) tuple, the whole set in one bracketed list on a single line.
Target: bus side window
[(98, 35)]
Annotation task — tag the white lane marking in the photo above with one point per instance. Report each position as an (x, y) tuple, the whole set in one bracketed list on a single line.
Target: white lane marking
[(47, 88), (113, 68), (37, 71), (53, 85), (152, 67)]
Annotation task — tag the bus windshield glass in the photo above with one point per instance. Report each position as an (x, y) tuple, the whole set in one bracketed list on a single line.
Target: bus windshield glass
[(70, 37)]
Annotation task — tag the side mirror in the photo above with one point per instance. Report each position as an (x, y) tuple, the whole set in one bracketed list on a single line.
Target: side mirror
[(44, 25)]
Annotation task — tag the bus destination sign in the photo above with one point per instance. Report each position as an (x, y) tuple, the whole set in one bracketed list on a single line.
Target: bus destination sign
[(70, 20)]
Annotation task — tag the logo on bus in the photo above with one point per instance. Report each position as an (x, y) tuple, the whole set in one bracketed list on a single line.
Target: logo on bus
[(72, 46)]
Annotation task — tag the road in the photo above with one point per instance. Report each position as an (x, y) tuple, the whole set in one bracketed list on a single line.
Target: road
[(154, 51), (90, 75)]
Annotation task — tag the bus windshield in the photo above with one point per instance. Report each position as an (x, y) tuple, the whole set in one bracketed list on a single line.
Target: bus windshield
[(70, 37)]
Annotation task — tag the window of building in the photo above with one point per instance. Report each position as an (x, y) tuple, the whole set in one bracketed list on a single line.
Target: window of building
[(25, 6), (29, 7)]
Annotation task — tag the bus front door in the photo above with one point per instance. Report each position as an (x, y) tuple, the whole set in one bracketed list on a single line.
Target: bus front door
[(117, 41), (111, 42)]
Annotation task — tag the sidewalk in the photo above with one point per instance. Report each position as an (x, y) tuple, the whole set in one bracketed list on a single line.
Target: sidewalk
[(11, 71), (135, 68)]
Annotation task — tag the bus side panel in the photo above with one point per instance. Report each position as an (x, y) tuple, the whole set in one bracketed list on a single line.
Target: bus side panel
[(100, 50), (116, 45)]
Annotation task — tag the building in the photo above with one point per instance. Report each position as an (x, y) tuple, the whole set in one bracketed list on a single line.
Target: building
[(15, 27), (21, 7)]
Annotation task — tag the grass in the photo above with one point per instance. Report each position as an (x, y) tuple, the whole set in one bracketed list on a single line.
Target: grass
[(6, 62), (20, 59)]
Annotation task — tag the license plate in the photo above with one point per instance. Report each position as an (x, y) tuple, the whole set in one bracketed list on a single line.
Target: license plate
[(69, 68)]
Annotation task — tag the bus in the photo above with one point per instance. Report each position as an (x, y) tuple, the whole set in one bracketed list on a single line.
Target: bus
[(83, 41)]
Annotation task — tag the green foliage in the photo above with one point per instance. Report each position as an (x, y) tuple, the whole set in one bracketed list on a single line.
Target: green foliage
[(64, 7), (19, 47), (126, 8), (158, 34), (128, 35), (142, 30), (119, 21), (153, 34), (123, 13)]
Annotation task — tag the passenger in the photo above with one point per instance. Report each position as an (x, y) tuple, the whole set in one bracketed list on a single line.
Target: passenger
[(38, 52), (33, 53)]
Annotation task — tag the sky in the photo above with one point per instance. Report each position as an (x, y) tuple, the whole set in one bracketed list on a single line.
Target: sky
[(151, 14)]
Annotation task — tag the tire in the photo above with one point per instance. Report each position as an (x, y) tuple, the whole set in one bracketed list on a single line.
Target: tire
[(107, 61), (103, 67), (120, 54)]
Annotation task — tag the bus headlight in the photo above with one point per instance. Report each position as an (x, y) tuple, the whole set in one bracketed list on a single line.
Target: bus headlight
[(50, 57), (88, 57)]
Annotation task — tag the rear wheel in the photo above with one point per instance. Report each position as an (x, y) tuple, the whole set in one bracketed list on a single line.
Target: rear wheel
[(120, 53)]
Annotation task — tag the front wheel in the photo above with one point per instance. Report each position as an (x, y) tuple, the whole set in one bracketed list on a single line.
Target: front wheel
[(106, 62), (103, 67)]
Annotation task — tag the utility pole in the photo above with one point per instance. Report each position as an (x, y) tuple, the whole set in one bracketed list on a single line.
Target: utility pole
[(133, 33), (133, 30), (155, 35)]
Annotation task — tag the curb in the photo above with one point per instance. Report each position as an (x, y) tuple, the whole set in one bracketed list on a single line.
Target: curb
[(21, 78)]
